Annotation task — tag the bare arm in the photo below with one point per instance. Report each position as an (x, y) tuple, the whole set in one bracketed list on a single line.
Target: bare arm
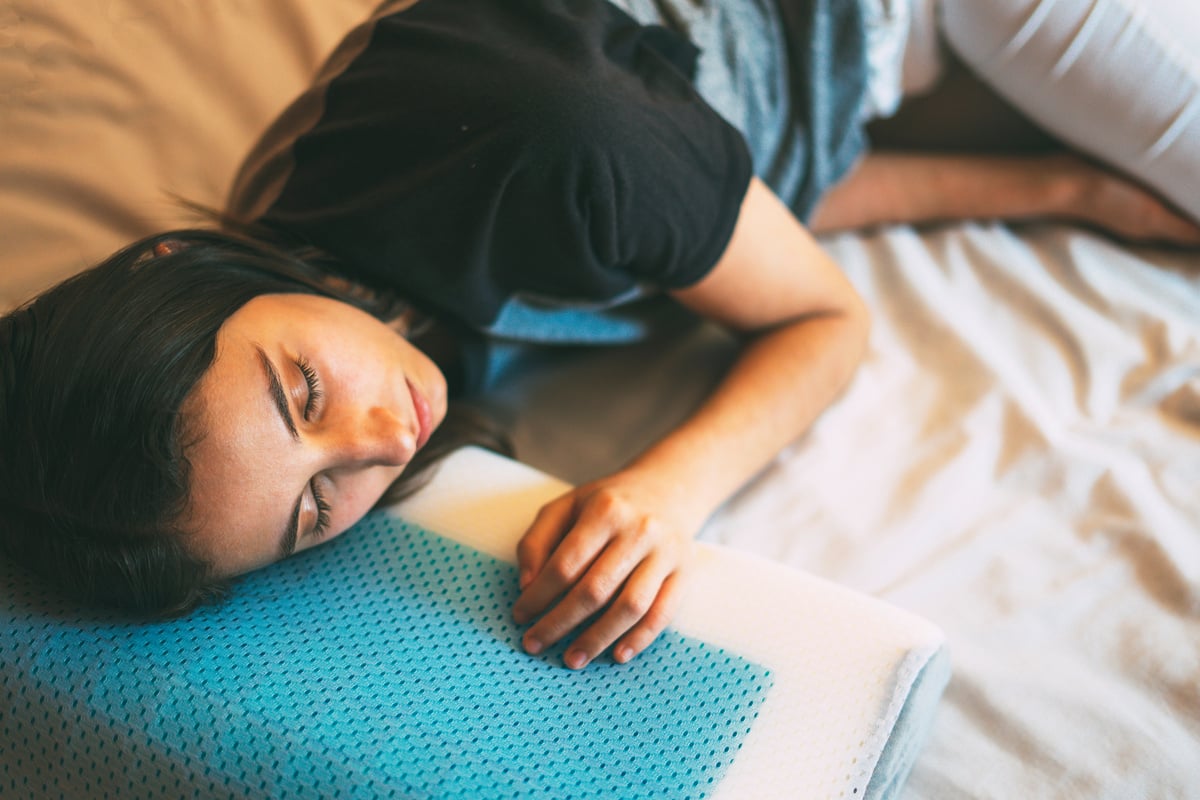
[(805, 330), (618, 546), (917, 187)]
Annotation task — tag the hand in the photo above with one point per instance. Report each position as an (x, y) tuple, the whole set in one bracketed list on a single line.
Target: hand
[(1123, 208), (612, 547)]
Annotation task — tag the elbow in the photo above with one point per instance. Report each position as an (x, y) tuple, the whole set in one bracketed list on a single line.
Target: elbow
[(858, 321)]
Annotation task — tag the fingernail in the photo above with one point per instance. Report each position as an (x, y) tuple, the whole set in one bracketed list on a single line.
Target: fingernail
[(525, 579), (576, 659), (533, 646), (623, 654)]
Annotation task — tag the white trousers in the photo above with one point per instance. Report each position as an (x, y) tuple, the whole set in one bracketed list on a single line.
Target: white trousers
[(1118, 79)]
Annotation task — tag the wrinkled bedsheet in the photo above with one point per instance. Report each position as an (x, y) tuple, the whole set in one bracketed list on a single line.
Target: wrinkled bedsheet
[(1018, 460)]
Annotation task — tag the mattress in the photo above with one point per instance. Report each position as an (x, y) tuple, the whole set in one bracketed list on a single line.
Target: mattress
[(1016, 461)]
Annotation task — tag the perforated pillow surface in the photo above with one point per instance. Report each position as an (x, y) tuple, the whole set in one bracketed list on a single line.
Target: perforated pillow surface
[(386, 665)]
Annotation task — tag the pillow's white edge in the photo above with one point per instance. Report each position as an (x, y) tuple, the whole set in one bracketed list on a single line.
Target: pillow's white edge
[(486, 502)]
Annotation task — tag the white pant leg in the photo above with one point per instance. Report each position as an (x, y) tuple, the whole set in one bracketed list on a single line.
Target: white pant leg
[(1119, 79)]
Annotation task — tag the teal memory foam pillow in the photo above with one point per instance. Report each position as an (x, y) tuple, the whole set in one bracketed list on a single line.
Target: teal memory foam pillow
[(383, 664)]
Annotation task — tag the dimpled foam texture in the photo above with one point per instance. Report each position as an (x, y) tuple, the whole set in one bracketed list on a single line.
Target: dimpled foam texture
[(383, 664)]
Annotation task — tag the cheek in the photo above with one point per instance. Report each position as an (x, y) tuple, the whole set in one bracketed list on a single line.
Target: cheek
[(358, 495)]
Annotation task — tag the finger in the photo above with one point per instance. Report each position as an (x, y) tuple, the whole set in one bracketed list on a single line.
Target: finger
[(626, 610), (552, 522), (597, 518), (569, 562), (653, 622), (598, 587)]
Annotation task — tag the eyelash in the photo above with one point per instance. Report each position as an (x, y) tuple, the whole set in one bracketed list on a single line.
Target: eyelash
[(314, 385), (314, 395), (323, 509)]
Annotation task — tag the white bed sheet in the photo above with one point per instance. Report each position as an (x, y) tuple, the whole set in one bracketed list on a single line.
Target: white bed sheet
[(1017, 461)]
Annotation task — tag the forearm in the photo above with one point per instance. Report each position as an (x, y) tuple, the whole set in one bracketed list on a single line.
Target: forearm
[(900, 187), (620, 544), (805, 329), (778, 386), (916, 188)]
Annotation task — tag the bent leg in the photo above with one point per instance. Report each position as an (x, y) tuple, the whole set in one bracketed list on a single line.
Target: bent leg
[(1117, 79)]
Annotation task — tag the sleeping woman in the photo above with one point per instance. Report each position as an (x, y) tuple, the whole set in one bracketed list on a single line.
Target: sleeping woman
[(469, 177)]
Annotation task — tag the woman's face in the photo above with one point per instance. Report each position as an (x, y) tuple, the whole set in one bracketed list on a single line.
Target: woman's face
[(311, 409)]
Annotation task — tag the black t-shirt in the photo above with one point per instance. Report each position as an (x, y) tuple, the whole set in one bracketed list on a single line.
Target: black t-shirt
[(480, 154)]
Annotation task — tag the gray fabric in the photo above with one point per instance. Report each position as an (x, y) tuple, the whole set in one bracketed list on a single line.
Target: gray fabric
[(791, 75)]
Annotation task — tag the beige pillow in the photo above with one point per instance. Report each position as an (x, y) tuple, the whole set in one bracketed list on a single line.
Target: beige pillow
[(109, 106)]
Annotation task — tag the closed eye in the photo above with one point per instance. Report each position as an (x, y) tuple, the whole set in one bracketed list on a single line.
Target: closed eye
[(314, 387), (323, 510)]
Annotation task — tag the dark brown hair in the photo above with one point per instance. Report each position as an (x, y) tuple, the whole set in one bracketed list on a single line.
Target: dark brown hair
[(93, 373)]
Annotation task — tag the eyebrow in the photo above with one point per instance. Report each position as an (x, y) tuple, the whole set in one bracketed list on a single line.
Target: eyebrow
[(277, 393), (287, 542)]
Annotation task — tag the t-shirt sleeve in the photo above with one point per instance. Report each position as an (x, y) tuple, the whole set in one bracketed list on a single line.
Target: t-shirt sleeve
[(666, 177), (477, 150)]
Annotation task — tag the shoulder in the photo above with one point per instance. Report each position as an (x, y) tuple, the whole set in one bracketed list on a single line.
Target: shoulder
[(536, 146)]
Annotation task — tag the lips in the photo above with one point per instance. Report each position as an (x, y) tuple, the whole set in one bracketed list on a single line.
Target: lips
[(423, 414)]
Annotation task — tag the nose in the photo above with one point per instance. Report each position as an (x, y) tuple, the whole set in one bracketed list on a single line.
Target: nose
[(377, 438)]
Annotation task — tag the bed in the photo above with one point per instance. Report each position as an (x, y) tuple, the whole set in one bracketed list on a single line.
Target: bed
[(1017, 460)]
